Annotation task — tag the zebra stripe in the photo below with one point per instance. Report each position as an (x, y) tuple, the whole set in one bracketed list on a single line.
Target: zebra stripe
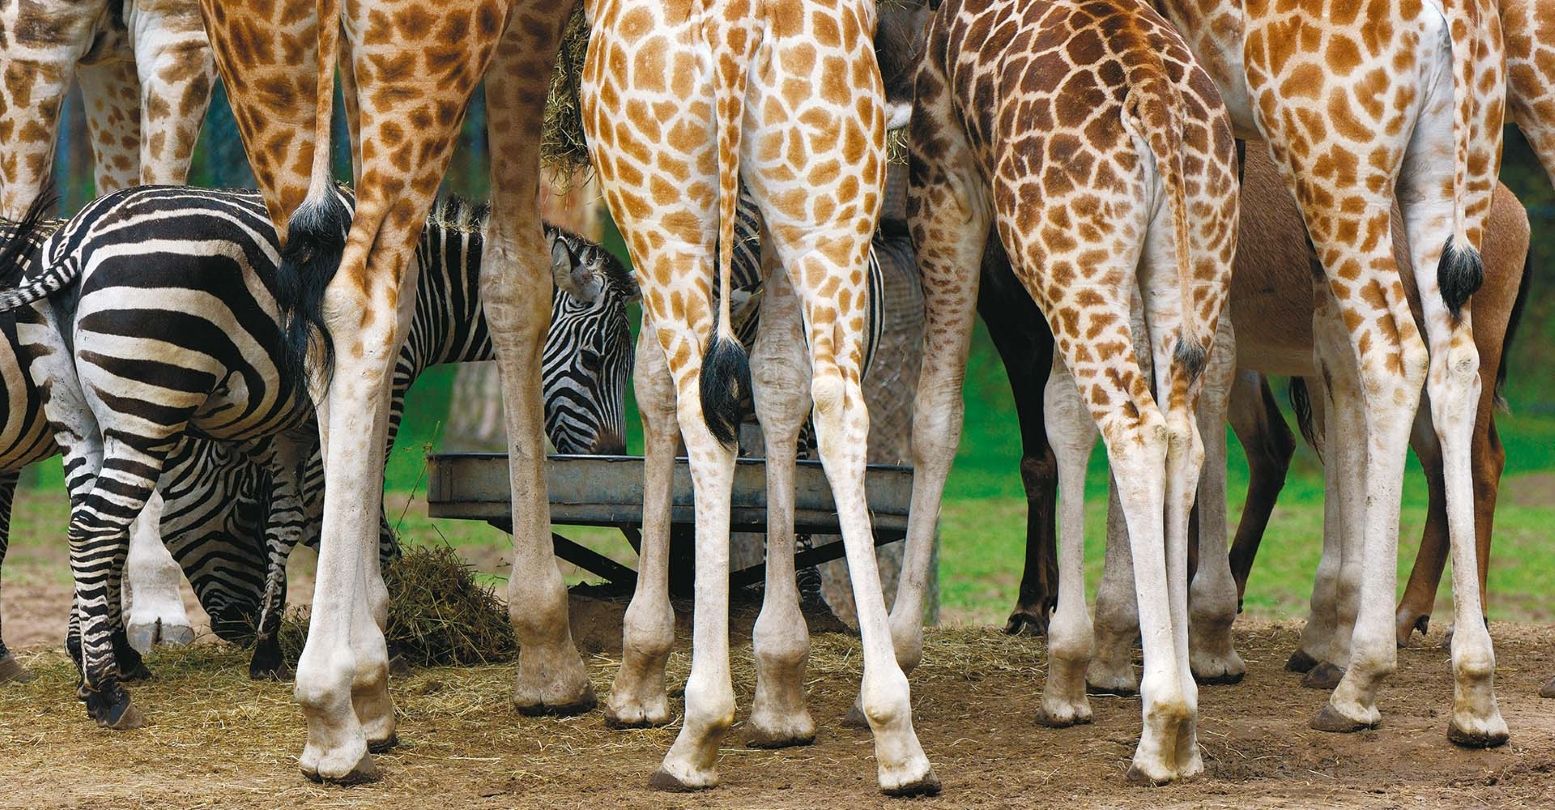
[(172, 319)]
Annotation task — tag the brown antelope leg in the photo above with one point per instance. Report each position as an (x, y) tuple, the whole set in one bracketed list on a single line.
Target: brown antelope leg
[(1027, 353), (1256, 419)]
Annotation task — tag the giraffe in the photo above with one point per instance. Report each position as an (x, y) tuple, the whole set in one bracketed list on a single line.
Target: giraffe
[(1356, 102), (681, 101), (409, 68), (145, 72), (1086, 135)]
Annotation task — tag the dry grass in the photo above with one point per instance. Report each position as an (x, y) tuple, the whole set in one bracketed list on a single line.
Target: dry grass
[(438, 614), (216, 739)]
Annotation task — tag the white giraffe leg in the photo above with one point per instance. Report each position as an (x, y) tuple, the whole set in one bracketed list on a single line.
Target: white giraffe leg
[(1072, 435), (1212, 599), (154, 609), (1453, 390), (638, 697), (780, 374)]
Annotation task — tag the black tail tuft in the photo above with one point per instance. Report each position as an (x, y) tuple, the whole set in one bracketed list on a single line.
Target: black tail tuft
[(726, 379), (18, 240), (314, 241), (1458, 275), (1512, 321), (1301, 403), (1190, 356)]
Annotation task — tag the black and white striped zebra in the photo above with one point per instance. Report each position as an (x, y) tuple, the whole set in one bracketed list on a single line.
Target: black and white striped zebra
[(138, 273)]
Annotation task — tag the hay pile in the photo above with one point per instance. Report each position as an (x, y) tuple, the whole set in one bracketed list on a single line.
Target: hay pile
[(438, 614), (563, 145)]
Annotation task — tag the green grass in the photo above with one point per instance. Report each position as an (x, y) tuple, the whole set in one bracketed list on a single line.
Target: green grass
[(983, 523)]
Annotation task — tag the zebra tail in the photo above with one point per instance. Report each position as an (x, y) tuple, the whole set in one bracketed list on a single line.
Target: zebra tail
[(18, 241), (725, 366), (316, 232)]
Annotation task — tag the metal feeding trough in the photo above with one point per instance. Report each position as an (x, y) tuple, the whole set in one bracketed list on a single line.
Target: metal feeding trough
[(608, 491)]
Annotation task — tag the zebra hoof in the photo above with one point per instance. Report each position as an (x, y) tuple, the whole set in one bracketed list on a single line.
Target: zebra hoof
[(11, 670), (123, 717)]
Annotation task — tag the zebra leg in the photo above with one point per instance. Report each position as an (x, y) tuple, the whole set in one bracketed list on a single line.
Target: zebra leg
[(99, 542), (780, 375), (637, 697), (151, 577), (10, 668), (289, 514)]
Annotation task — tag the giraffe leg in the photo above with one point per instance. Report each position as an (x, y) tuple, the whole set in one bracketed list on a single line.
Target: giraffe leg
[(176, 70), (110, 93), (1212, 597), (1453, 392), (638, 697), (1072, 435), (10, 668), (516, 292), (45, 67), (1111, 670), (780, 374), (156, 610)]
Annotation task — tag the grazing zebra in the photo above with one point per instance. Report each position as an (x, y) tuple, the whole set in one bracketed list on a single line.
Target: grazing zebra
[(166, 296)]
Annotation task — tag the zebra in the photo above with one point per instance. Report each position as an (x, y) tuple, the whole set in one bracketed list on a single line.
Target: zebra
[(147, 273)]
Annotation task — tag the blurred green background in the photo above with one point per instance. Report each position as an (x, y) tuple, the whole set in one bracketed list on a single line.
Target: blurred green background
[(983, 525)]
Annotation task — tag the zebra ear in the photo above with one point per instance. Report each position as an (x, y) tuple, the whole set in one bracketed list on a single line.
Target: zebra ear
[(576, 272)]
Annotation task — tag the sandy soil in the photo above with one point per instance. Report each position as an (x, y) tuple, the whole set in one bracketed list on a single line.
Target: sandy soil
[(217, 739)]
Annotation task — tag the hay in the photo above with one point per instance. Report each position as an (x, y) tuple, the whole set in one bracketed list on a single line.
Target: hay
[(563, 145), (438, 614)]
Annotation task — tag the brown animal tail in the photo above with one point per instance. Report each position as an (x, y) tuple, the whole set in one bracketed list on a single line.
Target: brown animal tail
[(1461, 271), (1512, 322), (1156, 108), (316, 232), (728, 25)]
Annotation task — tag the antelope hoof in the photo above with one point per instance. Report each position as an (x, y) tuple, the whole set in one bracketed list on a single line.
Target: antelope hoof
[(855, 718), (1330, 719), (12, 670), (1025, 621), (1300, 661), (1410, 623), (1322, 676)]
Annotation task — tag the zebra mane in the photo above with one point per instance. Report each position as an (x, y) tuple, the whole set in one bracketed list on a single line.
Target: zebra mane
[(458, 214)]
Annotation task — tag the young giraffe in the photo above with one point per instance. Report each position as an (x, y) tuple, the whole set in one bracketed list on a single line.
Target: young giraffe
[(682, 100), (1111, 173), (1356, 101), (410, 68)]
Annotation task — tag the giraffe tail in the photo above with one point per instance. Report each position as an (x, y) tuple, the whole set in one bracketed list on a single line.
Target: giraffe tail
[(316, 231), (19, 245), (1154, 109), (1461, 270), (725, 377)]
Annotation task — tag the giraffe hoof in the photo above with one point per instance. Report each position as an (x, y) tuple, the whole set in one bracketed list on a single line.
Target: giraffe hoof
[(398, 666), (1329, 719), (1110, 689), (757, 738), (1220, 679), (364, 771), (1137, 776), (663, 780), (927, 786), (1322, 676), (1476, 739), (1048, 719), (11, 670), (1300, 661), (1547, 692), (582, 705), (380, 746)]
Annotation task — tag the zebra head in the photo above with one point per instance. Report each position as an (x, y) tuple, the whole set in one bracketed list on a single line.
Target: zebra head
[(588, 351)]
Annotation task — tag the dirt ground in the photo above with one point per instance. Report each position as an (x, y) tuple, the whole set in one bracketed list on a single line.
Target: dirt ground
[(215, 739)]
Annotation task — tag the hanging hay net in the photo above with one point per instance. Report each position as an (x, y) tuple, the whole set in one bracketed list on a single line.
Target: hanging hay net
[(563, 145)]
